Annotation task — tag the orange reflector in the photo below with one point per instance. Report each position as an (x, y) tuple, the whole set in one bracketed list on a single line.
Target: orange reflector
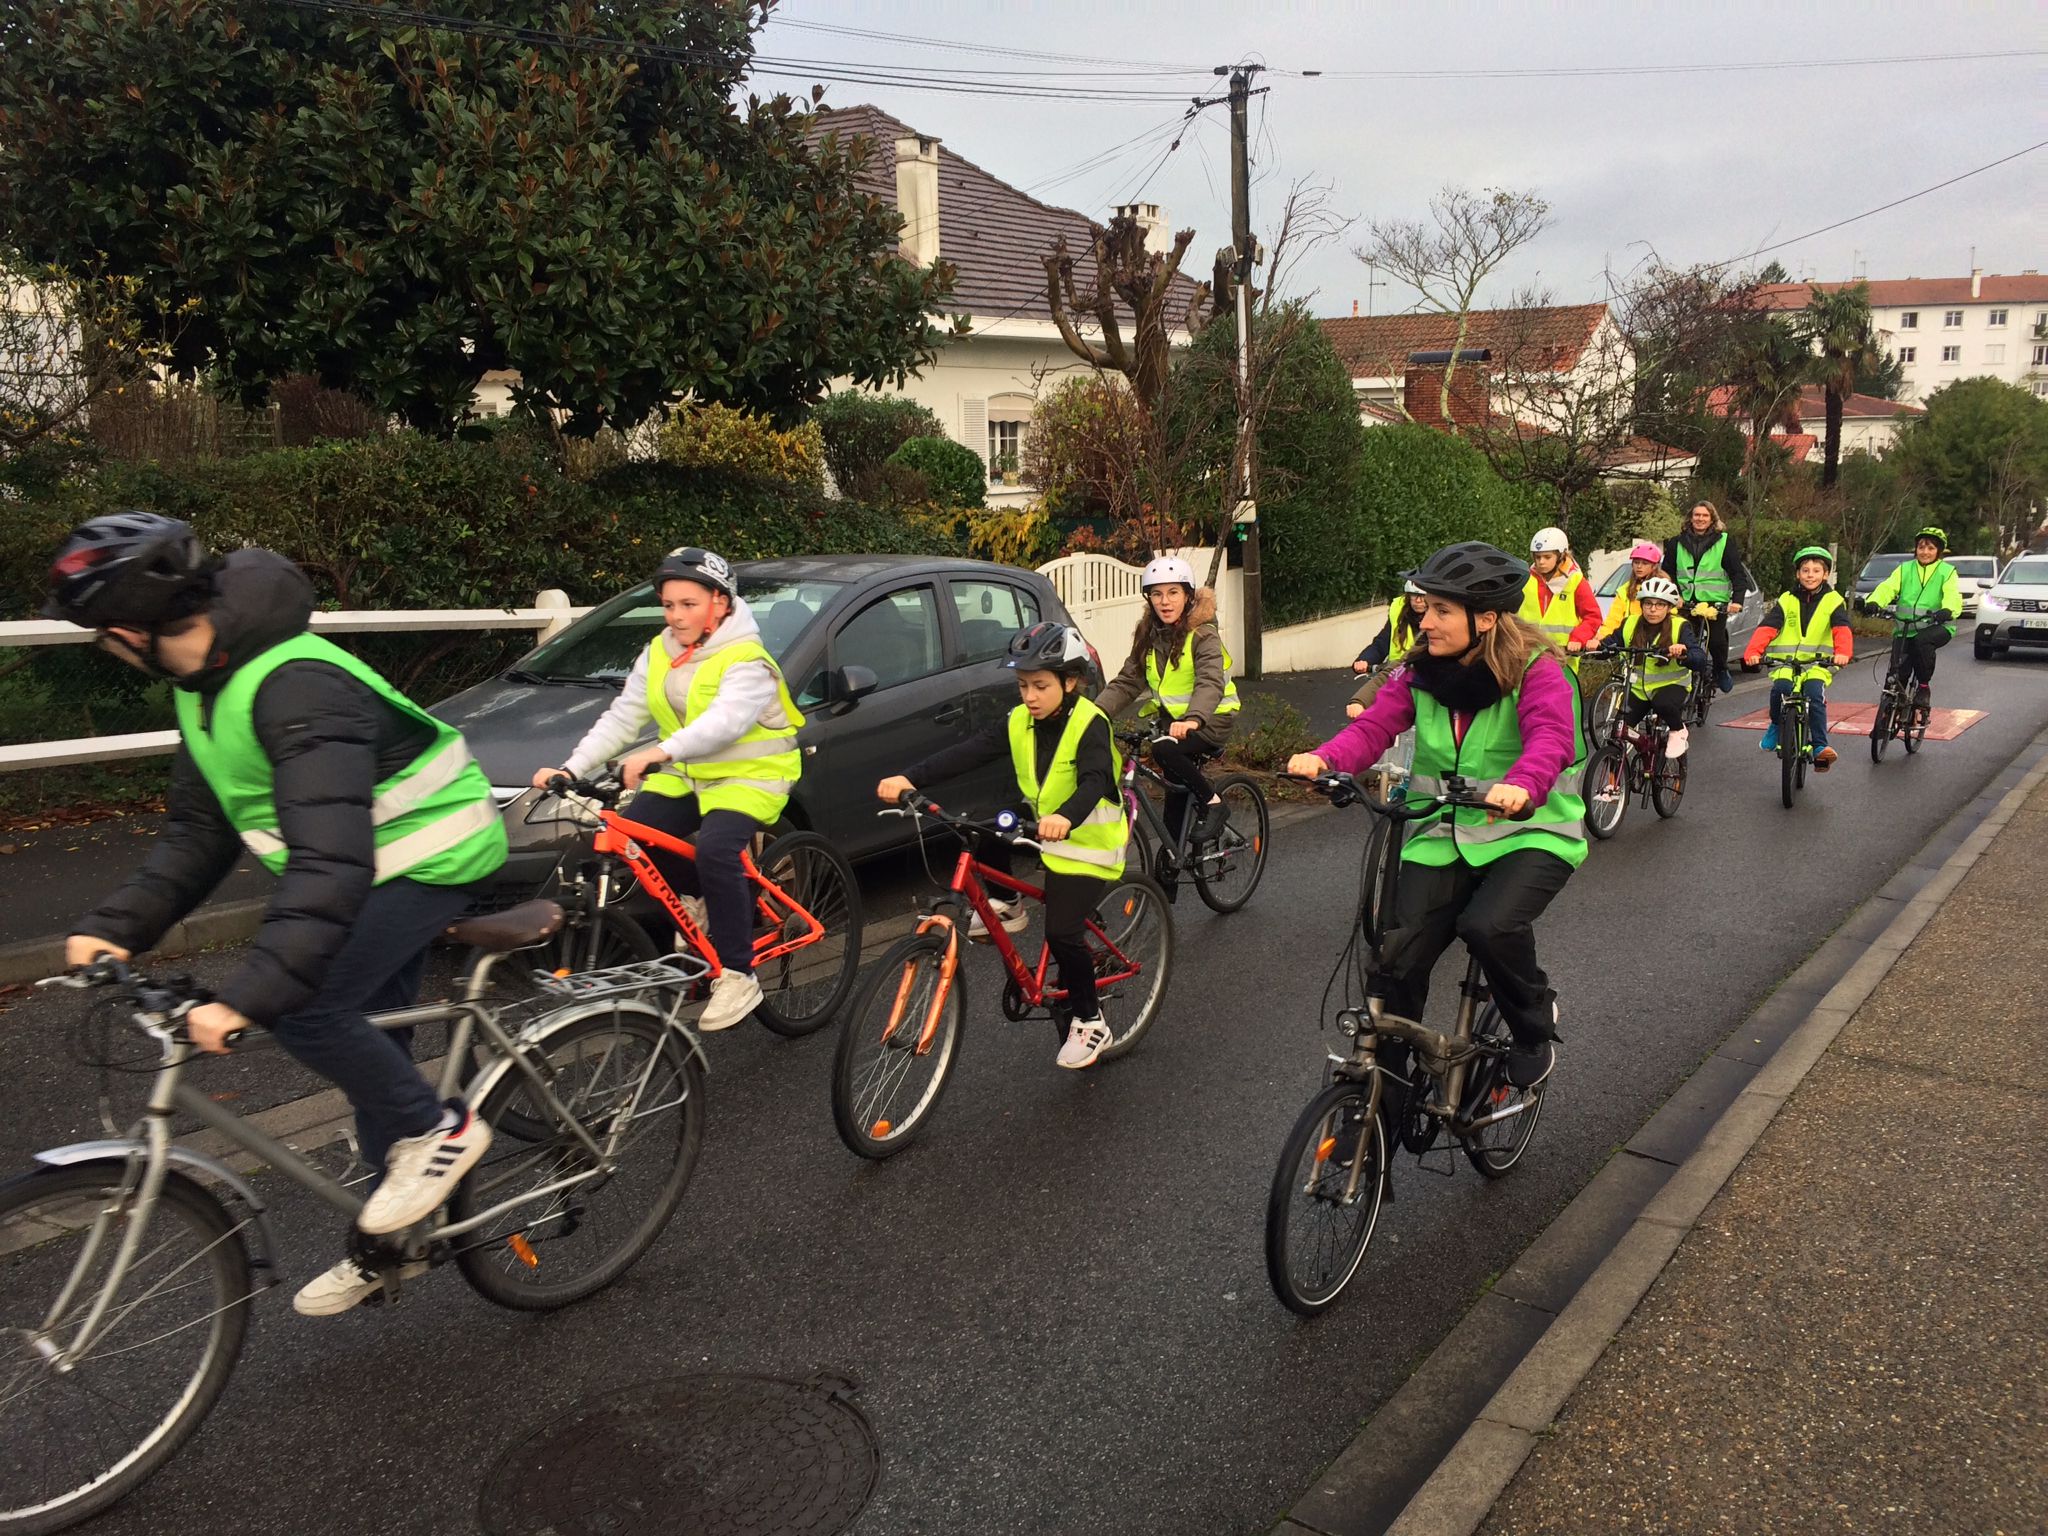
[(1258, 843), (1130, 906), (519, 1245), (1323, 1151), (562, 974), (881, 1128)]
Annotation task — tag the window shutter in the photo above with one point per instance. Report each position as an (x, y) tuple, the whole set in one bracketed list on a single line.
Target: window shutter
[(974, 425)]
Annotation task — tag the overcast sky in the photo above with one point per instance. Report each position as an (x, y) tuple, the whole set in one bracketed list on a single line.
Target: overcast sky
[(1700, 166)]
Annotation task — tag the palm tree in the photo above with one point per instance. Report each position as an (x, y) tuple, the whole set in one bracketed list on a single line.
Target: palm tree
[(1841, 329), (1770, 360)]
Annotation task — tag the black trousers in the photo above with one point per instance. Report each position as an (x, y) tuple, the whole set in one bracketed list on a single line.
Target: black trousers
[(1493, 910), (1181, 762), (1717, 643), (715, 873), (1922, 648), (1668, 702), (1069, 899)]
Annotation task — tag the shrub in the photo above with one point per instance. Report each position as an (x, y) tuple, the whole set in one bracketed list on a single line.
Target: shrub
[(1269, 731), (860, 431), (1020, 536), (718, 437), (1085, 452), (952, 470), (1768, 550)]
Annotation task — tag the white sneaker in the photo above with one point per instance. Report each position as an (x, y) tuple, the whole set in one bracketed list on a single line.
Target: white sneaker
[(1085, 1040), (421, 1172), (1010, 914), (733, 998), (346, 1285), (700, 915), (1675, 747)]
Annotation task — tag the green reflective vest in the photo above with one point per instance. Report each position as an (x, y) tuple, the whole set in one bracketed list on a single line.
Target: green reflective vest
[(1562, 616), (1493, 742), (1791, 647), (753, 775), (1705, 579), (435, 819), (1094, 845), (1915, 589), (1658, 671), (1174, 689)]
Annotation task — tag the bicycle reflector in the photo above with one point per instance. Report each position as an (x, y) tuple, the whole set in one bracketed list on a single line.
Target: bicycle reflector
[(523, 1250)]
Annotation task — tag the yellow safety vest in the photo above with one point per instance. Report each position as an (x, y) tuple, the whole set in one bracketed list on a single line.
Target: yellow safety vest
[(1174, 690), (1817, 638), (1094, 845), (753, 775), (1562, 616)]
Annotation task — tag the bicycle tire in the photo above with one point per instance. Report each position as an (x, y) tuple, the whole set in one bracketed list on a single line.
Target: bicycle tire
[(1252, 830), (1607, 768), (1381, 842), (1490, 1086), (1881, 725), (1788, 756), (1667, 784), (32, 1262), (1915, 730), (505, 1266), (1133, 915), (1603, 715), (800, 996), (1309, 1175), (881, 1024), (1144, 852)]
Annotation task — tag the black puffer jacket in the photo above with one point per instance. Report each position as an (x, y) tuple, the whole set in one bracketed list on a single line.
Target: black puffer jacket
[(331, 741)]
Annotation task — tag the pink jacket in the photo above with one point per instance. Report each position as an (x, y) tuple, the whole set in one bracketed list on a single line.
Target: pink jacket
[(1543, 707)]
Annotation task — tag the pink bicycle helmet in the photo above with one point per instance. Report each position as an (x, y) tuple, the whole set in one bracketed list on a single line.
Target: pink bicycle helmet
[(1645, 550)]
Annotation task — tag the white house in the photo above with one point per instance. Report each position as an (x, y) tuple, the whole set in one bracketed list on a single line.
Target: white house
[(1946, 328)]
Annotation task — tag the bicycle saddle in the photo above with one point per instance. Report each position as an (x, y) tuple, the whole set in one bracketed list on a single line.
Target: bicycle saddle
[(513, 928)]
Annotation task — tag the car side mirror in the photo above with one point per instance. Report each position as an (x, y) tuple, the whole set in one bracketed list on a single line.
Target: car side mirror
[(850, 684)]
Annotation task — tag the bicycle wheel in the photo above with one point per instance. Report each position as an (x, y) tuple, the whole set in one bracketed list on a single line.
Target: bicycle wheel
[(1788, 756), (1382, 842), (71, 1444), (1913, 724), (1702, 700), (1603, 715), (1231, 870), (621, 1070), (1667, 785), (1881, 725), (801, 990), (1606, 775), (1496, 1148), (1325, 1199), (896, 1050), (1131, 937)]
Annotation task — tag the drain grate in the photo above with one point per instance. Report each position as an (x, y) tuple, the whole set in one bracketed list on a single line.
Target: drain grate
[(718, 1454)]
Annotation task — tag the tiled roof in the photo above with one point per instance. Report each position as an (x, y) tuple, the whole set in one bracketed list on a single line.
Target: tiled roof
[(994, 235), (1377, 346), (1887, 293), (1813, 405)]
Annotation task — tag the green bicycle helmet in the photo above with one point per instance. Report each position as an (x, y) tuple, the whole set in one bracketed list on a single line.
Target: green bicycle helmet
[(1938, 535), (1814, 552)]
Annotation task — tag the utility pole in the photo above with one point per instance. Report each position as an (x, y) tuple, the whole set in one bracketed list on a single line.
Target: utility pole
[(1246, 247)]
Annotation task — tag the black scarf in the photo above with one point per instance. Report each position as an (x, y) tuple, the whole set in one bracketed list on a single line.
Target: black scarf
[(1462, 689)]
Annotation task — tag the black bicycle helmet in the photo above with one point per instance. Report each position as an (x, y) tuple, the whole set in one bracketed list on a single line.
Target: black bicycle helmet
[(1048, 647), (1484, 579), (134, 569), (699, 565)]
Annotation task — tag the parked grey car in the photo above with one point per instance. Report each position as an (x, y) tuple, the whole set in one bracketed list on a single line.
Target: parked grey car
[(2014, 611), (889, 657)]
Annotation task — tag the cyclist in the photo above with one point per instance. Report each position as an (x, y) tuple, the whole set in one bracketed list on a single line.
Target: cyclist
[(1558, 599), (724, 766), (1179, 666), (1664, 681), (1489, 699), (1703, 560), (1809, 616), (367, 809), (1063, 753), (1926, 588), (1645, 560), (1397, 637)]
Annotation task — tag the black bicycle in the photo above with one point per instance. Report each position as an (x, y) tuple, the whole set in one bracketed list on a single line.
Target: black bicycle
[(1400, 1084), (1705, 685), (1896, 715), (1226, 870)]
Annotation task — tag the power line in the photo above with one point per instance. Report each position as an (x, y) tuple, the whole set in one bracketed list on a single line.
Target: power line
[(1003, 50), (1581, 71), (1102, 157)]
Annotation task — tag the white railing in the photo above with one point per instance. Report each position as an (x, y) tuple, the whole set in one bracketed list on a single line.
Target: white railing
[(550, 614)]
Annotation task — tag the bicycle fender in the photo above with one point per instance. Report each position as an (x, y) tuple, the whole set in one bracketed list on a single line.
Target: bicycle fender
[(479, 1086), (263, 1260)]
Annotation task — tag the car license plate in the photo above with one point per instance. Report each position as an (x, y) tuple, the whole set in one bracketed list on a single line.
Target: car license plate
[(2040, 623)]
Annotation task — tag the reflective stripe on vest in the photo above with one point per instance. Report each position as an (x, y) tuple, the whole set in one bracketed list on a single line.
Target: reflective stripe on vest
[(1704, 579), (752, 775), (1492, 743), (1654, 672), (1562, 616), (1175, 690), (1094, 845), (1790, 647), (435, 819)]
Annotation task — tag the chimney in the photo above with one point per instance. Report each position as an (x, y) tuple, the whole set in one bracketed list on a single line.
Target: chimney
[(1976, 282), (1354, 309), (917, 198), (1148, 218)]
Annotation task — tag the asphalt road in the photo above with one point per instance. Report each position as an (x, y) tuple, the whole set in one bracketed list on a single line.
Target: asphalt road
[(1056, 1302)]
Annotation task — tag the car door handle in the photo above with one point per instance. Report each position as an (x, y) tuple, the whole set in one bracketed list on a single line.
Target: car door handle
[(949, 714)]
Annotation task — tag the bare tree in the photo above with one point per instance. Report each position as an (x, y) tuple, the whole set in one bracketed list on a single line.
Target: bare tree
[(1129, 285), (1469, 236)]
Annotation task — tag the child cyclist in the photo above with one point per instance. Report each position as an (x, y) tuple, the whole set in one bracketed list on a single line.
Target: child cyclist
[(1927, 594), (1489, 699), (1644, 561), (1397, 637), (1664, 681), (724, 766), (1809, 620), (1558, 599), (1064, 755)]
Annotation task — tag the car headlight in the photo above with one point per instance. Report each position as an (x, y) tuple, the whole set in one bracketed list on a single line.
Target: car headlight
[(1986, 603)]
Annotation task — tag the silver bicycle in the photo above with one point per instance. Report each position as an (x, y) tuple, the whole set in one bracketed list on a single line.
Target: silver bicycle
[(127, 1266)]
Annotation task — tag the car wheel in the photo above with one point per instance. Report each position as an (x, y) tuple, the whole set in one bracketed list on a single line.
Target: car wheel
[(1982, 649)]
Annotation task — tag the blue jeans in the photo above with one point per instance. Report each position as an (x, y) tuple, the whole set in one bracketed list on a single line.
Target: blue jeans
[(1816, 716), (380, 966)]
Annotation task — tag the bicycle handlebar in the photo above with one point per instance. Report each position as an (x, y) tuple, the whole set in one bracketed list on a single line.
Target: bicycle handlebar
[(912, 803), (1345, 789), (169, 999), (606, 791)]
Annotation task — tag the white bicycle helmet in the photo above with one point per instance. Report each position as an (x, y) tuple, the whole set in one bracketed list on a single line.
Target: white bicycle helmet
[(1549, 541), (1659, 589), (1413, 590), (1168, 568)]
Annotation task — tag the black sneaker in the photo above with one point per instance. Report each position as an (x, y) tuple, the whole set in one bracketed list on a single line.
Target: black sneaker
[(1530, 1062), (1215, 819)]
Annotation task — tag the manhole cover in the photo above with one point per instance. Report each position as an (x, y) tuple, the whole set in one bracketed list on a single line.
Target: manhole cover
[(697, 1456)]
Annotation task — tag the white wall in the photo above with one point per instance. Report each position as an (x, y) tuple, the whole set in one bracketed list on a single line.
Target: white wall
[(1976, 336)]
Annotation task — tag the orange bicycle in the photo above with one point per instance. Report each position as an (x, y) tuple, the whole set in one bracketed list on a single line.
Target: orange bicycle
[(807, 909), (898, 1044)]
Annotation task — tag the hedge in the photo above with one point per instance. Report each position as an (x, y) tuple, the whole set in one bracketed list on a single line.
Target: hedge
[(951, 470)]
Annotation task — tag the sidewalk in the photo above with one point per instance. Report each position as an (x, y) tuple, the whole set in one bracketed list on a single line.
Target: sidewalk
[(1853, 1337)]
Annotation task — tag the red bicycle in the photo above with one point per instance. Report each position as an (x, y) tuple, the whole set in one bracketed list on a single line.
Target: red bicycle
[(898, 1044)]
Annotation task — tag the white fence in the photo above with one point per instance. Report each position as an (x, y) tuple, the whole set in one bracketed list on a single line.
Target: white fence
[(550, 614), (1104, 599)]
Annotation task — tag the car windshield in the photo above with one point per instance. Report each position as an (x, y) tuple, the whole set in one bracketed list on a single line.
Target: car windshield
[(1982, 567), (1614, 579), (2025, 573), (1881, 566), (605, 642)]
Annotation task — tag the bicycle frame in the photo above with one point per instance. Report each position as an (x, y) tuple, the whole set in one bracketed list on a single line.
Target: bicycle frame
[(1139, 807)]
